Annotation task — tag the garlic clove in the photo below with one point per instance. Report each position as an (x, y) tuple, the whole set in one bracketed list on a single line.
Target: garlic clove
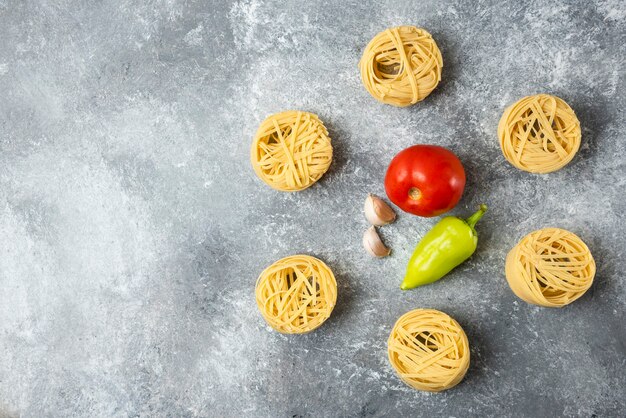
[(377, 211), (373, 244)]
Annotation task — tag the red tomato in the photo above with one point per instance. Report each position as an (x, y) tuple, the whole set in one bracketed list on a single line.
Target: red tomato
[(425, 180)]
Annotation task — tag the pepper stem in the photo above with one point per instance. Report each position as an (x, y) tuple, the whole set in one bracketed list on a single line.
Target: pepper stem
[(471, 221)]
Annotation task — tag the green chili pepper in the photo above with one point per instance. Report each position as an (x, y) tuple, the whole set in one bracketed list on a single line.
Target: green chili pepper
[(448, 244)]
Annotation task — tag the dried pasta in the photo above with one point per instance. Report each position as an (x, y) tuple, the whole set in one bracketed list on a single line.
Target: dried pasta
[(296, 294), (291, 150), (401, 66), (539, 134), (429, 350), (550, 267)]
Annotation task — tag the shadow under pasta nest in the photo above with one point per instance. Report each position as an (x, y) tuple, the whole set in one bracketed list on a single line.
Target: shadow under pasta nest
[(604, 270), (343, 305), (340, 156), (345, 299), (480, 354), (449, 71), (591, 113)]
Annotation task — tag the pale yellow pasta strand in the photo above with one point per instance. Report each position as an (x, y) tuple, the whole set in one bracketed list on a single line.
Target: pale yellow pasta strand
[(429, 350), (550, 267), (291, 150), (296, 294), (539, 134), (401, 66)]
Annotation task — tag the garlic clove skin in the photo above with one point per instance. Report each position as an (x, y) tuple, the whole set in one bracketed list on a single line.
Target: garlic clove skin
[(377, 212), (373, 244)]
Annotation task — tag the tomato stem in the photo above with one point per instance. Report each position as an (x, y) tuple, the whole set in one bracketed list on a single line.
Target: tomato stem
[(415, 193)]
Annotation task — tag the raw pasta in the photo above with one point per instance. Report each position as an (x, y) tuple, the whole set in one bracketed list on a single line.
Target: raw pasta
[(296, 294), (401, 66), (429, 350), (539, 134), (550, 267), (291, 150)]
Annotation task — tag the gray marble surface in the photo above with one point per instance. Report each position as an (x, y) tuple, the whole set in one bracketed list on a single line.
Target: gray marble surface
[(132, 227)]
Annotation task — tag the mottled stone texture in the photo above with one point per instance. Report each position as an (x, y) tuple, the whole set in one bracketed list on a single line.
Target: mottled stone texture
[(132, 227)]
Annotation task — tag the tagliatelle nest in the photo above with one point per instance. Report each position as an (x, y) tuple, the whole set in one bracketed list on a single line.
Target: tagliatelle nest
[(539, 134), (550, 267), (401, 66), (291, 150), (296, 294), (429, 350)]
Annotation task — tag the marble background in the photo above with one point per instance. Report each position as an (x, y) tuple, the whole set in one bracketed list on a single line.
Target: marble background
[(132, 227)]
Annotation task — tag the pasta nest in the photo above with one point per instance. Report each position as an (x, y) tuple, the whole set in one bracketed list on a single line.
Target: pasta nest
[(291, 150), (296, 294), (550, 267), (429, 350), (401, 66), (539, 134)]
